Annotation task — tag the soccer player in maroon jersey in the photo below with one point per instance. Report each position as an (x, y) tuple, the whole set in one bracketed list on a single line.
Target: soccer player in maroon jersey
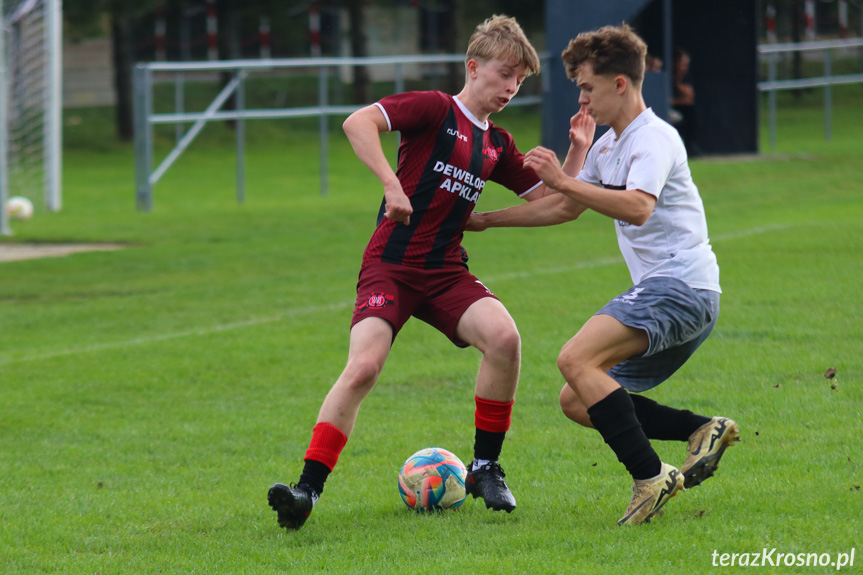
[(414, 264)]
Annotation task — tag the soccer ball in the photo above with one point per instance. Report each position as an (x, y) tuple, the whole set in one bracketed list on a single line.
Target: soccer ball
[(19, 208), (432, 479)]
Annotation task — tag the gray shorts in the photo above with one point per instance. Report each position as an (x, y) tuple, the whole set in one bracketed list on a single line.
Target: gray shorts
[(677, 320)]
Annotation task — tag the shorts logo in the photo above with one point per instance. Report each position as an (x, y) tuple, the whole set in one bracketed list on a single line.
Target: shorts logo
[(378, 300), (629, 297)]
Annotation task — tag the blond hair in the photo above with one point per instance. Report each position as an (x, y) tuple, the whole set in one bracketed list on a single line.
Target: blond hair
[(501, 37), (611, 50)]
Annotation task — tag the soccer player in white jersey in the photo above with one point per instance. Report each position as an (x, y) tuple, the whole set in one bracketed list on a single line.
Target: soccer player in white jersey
[(637, 174)]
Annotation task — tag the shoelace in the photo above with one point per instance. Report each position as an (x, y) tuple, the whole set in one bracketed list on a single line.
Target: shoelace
[(495, 470)]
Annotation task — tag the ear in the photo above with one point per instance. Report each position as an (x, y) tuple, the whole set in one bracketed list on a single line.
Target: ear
[(620, 83), (472, 66)]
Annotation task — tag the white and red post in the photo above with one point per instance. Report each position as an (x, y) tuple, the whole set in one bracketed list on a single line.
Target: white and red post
[(160, 29), (264, 37), (315, 29), (843, 18), (212, 31), (771, 23), (809, 15)]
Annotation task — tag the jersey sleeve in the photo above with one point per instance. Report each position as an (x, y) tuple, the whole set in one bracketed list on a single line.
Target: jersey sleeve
[(590, 172), (510, 171), (652, 163), (413, 110)]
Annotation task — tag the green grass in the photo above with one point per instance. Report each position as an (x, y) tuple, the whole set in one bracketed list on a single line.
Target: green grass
[(150, 396)]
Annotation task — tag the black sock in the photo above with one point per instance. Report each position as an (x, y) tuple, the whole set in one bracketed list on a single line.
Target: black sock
[(487, 444), (614, 418), (314, 475), (663, 422)]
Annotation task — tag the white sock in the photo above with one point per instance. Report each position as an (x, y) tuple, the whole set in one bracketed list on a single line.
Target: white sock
[(477, 463)]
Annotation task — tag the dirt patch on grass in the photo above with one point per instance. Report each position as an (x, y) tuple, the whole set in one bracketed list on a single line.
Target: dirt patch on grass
[(16, 252)]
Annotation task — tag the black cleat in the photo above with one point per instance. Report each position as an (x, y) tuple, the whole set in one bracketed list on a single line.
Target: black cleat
[(293, 504), (487, 482)]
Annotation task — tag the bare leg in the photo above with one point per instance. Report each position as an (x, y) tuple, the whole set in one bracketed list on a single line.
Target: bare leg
[(599, 345), (371, 340), (487, 326), (573, 408)]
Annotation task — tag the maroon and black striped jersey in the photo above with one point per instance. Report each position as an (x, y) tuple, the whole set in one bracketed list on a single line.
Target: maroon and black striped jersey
[(445, 158)]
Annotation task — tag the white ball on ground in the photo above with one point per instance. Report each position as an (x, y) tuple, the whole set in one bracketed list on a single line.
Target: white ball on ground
[(19, 208)]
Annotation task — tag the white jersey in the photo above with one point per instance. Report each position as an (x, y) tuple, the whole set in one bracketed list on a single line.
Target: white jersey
[(650, 156)]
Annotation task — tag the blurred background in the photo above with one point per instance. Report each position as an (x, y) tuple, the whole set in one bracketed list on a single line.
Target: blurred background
[(104, 38), (715, 70)]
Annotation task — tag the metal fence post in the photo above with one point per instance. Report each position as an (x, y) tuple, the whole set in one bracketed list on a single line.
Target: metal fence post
[(143, 109), (179, 102), (400, 87), (771, 98), (53, 124), (828, 98), (4, 174), (241, 136), (324, 126)]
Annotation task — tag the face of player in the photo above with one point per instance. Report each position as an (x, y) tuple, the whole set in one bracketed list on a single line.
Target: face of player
[(599, 94), (493, 84)]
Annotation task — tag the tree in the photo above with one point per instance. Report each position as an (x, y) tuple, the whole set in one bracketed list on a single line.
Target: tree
[(85, 17), (121, 42), (359, 49)]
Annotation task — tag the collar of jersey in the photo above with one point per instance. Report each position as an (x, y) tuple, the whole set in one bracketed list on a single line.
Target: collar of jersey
[(481, 125), (641, 119)]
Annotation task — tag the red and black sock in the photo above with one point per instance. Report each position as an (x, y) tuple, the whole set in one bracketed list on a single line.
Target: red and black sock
[(492, 419), (322, 455)]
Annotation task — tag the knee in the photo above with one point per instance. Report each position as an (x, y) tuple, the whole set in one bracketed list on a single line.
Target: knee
[(362, 373), (505, 343), (572, 407), (570, 366)]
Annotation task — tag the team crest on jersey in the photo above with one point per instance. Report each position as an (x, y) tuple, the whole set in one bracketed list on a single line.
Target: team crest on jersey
[(491, 153), (378, 300)]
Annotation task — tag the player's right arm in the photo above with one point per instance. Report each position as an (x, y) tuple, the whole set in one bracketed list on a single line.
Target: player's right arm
[(546, 211), (548, 208), (363, 129)]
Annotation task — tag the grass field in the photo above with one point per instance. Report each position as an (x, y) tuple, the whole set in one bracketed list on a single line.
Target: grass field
[(150, 396)]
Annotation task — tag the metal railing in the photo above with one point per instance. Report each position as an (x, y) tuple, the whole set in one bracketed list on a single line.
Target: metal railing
[(145, 119), (772, 85)]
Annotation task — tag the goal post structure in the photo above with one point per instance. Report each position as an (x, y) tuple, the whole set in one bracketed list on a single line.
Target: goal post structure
[(31, 97)]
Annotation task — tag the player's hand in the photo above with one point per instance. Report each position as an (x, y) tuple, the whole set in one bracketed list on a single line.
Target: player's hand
[(476, 222), (397, 206), (581, 129), (546, 165)]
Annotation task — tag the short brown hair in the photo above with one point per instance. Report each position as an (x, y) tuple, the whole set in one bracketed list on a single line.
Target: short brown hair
[(501, 37), (611, 50)]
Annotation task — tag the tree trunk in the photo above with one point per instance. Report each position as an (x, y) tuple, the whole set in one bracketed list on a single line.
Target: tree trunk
[(456, 44), (121, 40), (229, 45), (797, 24), (359, 49)]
